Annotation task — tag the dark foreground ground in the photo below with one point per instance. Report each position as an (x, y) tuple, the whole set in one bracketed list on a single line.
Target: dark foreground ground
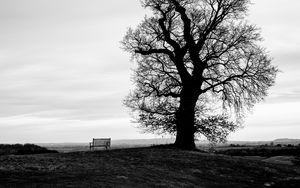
[(143, 167)]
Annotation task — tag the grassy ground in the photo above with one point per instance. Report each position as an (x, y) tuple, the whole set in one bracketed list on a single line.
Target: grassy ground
[(143, 167)]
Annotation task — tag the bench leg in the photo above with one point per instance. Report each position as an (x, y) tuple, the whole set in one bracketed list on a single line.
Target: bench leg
[(91, 147)]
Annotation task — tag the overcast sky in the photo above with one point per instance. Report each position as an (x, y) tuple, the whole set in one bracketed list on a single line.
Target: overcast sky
[(63, 75)]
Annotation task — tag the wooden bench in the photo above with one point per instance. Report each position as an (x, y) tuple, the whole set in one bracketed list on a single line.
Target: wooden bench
[(100, 142)]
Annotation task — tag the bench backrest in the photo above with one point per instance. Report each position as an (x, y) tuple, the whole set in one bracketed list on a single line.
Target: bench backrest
[(101, 141)]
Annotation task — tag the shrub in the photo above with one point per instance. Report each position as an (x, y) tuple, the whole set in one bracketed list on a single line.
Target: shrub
[(19, 149), (263, 151)]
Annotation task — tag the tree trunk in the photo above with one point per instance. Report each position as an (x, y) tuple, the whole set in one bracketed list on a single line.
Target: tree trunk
[(185, 119)]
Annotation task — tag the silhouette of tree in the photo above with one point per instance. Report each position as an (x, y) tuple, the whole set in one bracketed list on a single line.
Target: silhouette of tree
[(157, 115), (190, 52)]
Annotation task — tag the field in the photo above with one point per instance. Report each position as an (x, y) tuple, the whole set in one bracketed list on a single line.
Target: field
[(144, 167)]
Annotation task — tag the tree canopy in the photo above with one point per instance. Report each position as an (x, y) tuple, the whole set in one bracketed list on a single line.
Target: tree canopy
[(192, 56)]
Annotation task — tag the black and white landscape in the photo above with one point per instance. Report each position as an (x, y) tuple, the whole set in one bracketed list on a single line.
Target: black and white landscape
[(177, 93)]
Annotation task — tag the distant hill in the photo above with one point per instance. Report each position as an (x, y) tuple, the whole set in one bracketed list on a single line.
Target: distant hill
[(142, 142), (115, 144), (283, 141), (287, 141), (130, 143)]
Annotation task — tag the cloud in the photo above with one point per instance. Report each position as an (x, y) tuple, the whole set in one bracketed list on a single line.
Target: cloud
[(32, 129), (62, 58), (80, 93), (270, 121), (63, 74), (279, 24)]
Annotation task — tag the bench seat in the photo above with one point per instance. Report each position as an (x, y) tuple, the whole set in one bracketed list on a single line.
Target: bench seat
[(100, 142)]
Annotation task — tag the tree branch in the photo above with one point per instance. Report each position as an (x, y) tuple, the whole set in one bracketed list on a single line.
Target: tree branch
[(155, 51)]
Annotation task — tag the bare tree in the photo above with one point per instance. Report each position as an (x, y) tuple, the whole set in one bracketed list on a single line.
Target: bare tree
[(190, 49)]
